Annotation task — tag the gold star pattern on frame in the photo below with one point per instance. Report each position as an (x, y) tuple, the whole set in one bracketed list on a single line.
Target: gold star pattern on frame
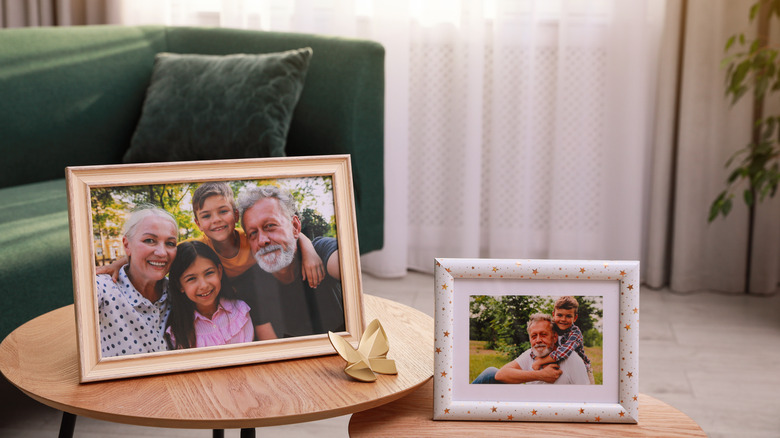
[(370, 356), (621, 277)]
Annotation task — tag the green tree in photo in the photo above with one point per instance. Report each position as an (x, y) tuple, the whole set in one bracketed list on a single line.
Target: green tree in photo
[(483, 309), (501, 321), (313, 224), (107, 216), (592, 338), (173, 198), (310, 194), (587, 316)]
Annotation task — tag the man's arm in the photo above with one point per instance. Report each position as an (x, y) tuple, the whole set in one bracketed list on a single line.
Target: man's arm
[(311, 264), (264, 332), (513, 373), (113, 268), (334, 268), (327, 248), (542, 361)]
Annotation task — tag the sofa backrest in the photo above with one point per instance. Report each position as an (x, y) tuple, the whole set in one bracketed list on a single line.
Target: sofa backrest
[(70, 96)]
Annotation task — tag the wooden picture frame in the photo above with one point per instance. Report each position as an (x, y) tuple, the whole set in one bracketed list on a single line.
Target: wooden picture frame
[(484, 299), (85, 181)]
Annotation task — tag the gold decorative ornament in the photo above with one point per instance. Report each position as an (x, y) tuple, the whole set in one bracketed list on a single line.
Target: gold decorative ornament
[(370, 356)]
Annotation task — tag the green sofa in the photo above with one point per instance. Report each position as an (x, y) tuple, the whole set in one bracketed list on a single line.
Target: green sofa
[(73, 96)]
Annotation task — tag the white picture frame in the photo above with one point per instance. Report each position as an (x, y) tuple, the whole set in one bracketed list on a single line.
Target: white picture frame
[(459, 281), (84, 180)]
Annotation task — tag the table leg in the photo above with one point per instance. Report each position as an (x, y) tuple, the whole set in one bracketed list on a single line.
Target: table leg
[(68, 425), (248, 433), (218, 433)]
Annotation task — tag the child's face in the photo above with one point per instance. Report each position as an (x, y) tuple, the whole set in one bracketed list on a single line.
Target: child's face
[(564, 318), (217, 218), (201, 282)]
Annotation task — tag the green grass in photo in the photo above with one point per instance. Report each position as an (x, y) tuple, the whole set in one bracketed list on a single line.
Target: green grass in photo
[(481, 358), (596, 356)]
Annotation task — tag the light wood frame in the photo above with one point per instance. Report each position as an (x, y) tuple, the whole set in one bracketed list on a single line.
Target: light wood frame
[(454, 396), (80, 180)]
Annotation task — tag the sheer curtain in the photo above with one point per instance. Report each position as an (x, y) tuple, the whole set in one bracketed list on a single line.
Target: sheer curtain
[(26, 13), (684, 251), (20, 13), (514, 128)]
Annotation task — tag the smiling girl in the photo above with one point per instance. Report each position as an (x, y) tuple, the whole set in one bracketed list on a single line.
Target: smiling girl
[(204, 311)]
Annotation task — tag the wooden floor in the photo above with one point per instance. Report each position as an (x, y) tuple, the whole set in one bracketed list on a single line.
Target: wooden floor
[(712, 356)]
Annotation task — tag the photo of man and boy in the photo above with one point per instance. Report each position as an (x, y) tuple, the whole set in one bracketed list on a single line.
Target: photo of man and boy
[(525, 339), (224, 262)]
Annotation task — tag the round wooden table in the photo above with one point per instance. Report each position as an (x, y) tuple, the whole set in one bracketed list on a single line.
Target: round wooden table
[(412, 415), (41, 359)]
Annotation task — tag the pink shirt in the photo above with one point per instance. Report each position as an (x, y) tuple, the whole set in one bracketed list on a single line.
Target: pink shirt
[(230, 324)]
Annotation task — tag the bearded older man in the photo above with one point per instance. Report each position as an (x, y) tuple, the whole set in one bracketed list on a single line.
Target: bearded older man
[(541, 333), (280, 294)]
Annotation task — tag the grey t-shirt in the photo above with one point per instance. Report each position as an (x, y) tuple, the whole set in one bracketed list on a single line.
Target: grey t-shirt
[(295, 309)]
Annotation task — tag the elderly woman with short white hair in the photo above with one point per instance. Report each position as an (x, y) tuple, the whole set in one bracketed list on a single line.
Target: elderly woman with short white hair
[(133, 311)]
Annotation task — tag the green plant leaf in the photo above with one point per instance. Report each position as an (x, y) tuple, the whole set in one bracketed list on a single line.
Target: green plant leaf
[(734, 175), (755, 46), (754, 10), (726, 209), (738, 94), (771, 54), (735, 155), (730, 43), (756, 70), (740, 73), (728, 61), (716, 207), (748, 195), (760, 88), (758, 178)]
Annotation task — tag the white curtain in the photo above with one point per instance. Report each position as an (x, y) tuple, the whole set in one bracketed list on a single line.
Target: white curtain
[(685, 251), (20, 13), (31, 13), (514, 128)]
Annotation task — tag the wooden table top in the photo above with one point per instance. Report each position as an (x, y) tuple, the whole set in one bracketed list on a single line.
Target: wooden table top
[(41, 359), (415, 413)]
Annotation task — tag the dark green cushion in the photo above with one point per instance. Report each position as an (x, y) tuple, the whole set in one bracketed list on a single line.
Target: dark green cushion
[(205, 107)]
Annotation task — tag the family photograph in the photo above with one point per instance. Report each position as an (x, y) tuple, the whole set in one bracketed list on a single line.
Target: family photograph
[(219, 262), (533, 339)]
